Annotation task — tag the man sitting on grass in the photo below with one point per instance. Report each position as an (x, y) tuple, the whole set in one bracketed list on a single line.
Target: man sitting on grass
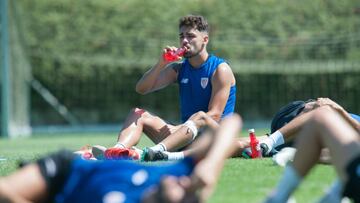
[(206, 83)]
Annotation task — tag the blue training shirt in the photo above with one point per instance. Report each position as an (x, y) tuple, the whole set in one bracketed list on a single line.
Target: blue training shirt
[(195, 88), (116, 181)]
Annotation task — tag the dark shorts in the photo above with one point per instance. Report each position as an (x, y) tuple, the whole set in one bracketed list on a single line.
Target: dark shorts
[(352, 186), (55, 168)]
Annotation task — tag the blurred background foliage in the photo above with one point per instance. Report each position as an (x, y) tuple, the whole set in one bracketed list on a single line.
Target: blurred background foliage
[(90, 53)]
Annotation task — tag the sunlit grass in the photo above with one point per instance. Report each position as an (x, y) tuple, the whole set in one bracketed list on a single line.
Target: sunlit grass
[(242, 180)]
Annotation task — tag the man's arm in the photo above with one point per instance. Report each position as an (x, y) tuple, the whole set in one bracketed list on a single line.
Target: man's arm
[(207, 171), (158, 77), (222, 81), (294, 126), (326, 101)]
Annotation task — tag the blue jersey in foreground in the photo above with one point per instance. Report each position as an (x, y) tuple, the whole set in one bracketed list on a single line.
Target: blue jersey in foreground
[(116, 181)]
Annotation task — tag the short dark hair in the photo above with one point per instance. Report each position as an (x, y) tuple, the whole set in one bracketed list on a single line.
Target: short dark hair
[(195, 21)]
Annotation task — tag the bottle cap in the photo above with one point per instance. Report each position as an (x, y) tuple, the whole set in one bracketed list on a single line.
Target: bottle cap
[(252, 130), (180, 51)]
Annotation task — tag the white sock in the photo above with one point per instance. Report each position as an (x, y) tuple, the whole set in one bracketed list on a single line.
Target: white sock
[(333, 194), (288, 183), (159, 147), (119, 145), (274, 140), (173, 156)]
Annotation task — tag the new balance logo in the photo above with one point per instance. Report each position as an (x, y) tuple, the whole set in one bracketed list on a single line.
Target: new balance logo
[(185, 80)]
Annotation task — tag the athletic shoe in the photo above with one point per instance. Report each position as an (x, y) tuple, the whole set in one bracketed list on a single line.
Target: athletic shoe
[(284, 156), (85, 153), (265, 150), (137, 150), (121, 153), (98, 152), (151, 155), (246, 153)]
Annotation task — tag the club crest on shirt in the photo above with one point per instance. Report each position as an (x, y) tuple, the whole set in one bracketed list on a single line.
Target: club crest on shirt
[(204, 82)]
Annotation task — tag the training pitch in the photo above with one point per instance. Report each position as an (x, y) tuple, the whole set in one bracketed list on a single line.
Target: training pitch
[(242, 180)]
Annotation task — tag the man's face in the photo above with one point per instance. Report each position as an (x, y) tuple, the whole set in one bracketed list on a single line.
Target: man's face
[(194, 40)]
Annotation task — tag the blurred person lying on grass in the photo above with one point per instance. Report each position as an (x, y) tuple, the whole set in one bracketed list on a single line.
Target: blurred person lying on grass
[(283, 131), (324, 127), (64, 177)]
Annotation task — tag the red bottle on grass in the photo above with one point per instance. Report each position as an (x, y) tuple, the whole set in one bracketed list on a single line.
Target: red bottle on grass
[(174, 55), (254, 145)]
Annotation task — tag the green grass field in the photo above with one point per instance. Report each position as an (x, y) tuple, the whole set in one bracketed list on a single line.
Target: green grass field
[(242, 180)]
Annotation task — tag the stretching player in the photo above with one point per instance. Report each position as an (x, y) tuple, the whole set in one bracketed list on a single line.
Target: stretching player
[(324, 127), (283, 131), (206, 83), (62, 178)]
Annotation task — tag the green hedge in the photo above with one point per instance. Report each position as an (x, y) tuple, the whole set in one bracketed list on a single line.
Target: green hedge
[(96, 31), (259, 95), (90, 53)]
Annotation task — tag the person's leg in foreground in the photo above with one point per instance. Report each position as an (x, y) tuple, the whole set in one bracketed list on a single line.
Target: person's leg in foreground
[(283, 132), (207, 171), (325, 128)]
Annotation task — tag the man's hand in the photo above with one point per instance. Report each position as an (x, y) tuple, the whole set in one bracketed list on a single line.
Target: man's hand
[(326, 101), (167, 49), (201, 119), (204, 179)]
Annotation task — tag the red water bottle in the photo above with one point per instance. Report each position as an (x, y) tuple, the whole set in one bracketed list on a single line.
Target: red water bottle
[(254, 145), (173, 55)]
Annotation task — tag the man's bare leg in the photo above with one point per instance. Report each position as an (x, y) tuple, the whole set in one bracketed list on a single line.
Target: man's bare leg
[(139, 121), (326, 128), (285, 134), (208, 170), (184, 135), (211, 151), (24, 186), (331, 130), (180, 138)]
